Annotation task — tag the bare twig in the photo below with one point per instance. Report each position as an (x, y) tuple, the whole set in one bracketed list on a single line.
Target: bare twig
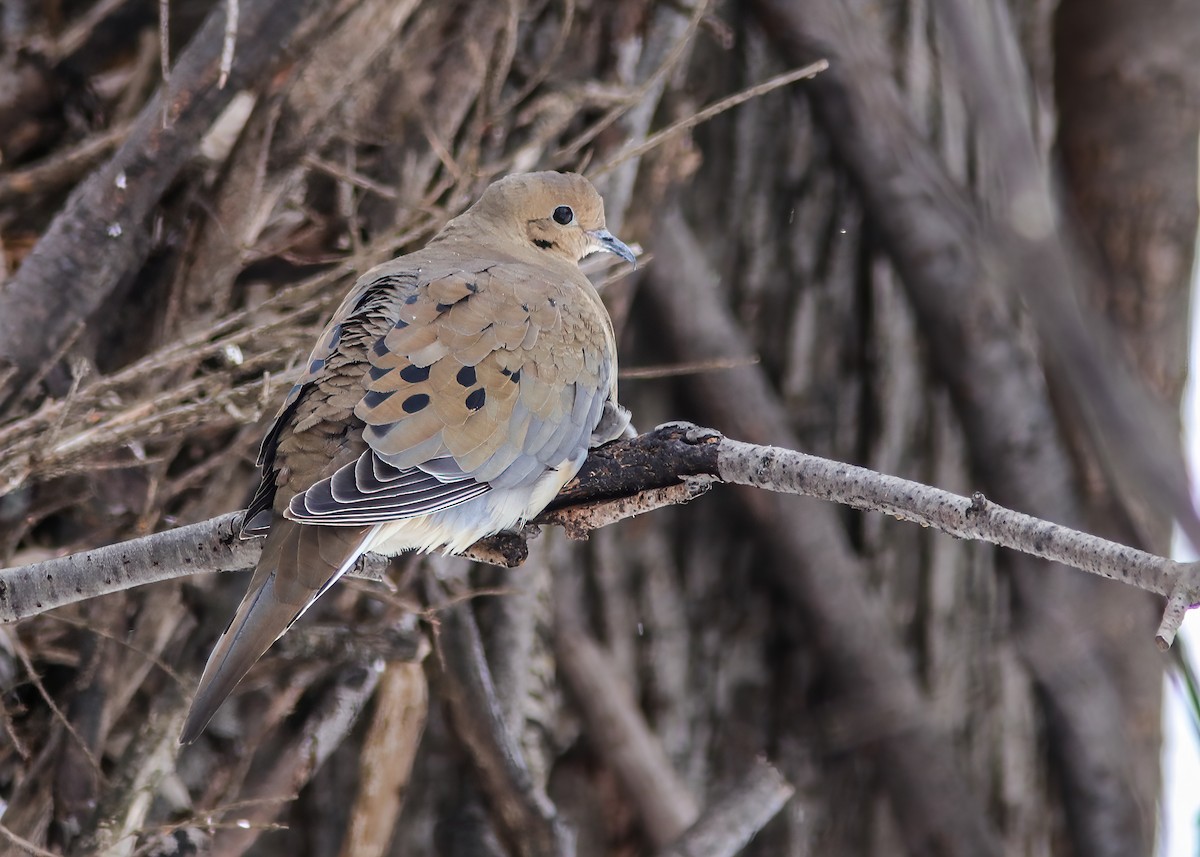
[(229, 42), (622, 737), (666, 30), (691, 367), (60, 351), (81, 29), (290, 769), (24, 844), (726, 826), (164, 52), (580, 520), (645, 93), (388, 753), (103, 232), (59, 715), (715, 109), (525, 817), (547, 65), (964, 517), (349, 176), (208, 546), (62, 167)]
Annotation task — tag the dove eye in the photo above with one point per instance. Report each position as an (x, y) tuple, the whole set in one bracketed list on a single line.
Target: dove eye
[(563, 215)]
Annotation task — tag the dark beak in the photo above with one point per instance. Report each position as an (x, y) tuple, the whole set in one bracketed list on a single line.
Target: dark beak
[(604, 240)]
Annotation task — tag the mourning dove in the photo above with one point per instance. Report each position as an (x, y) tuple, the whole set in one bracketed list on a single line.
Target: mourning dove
[(450, 397)]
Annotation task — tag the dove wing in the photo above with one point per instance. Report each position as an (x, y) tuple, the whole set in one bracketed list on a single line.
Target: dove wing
[(483, 379)]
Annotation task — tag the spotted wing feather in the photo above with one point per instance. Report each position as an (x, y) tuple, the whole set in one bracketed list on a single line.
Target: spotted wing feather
[(478, 383)]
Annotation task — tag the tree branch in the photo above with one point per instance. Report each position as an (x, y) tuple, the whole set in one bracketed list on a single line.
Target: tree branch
[(964, 256), (280, 774), (102, 234), (727, 825), (622, 737), (526, 818), (620, 480)]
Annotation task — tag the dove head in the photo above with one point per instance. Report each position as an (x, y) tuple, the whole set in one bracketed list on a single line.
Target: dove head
[(555, 215)]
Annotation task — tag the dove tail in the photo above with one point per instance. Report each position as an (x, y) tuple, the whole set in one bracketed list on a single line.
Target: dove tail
[(260, 620), (296, 575)]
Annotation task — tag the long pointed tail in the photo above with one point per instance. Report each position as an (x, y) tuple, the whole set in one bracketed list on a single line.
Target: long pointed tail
[(260, 620), (298, 564)]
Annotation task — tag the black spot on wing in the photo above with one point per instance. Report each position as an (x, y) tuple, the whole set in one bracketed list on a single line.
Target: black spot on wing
[(374, 398), (476, 399), (466, 376), (415, 374), (415, 402)]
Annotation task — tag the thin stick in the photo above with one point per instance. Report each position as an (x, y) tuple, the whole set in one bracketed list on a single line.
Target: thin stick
[(349, 176), (693, 367), (227, 46), (63, 166), (617, 728), (25, 844), (714, 109), (726, 826), (58, 713), (642, 91), (973, 517), (164, 56)]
